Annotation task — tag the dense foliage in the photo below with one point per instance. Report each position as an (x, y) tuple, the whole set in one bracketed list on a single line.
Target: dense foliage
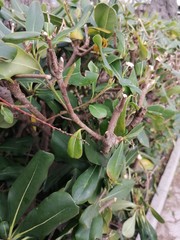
[(88, 112)]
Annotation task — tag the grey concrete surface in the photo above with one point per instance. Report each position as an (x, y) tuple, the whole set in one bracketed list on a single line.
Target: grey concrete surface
[(170, 230)]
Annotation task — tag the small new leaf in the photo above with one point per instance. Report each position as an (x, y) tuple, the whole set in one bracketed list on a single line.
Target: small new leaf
[(75, 146)]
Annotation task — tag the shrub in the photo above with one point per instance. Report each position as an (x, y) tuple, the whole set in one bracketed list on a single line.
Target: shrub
[(88, 94)]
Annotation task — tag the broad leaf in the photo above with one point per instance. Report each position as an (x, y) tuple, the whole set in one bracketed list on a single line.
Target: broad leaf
[(120, 191), (23, 63), (143, 138), (122, 204), (121, 43), (86, 184), (135, 131), (93, 154), (105, 16), (27, 185), (75, 146), (96, 229), (56, 209), (7, 114), (143, 51), (7, 52), (128, 228), (3, 30), (35, 18), (147, 232), (116, 164), (98, 110), (20, 37)]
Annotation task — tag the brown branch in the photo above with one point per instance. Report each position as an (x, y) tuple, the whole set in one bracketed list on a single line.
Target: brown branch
[(43, 76), (110, 139), (70, 110), (18, 94)]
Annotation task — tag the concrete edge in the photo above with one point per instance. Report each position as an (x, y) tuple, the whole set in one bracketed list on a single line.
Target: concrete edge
[(161, 194)]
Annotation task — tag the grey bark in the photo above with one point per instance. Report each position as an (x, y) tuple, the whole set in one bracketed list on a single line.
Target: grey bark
[(166, 8)]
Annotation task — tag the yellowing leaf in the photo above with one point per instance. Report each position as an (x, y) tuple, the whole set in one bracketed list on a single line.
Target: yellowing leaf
[(75, 145), (146, 164)]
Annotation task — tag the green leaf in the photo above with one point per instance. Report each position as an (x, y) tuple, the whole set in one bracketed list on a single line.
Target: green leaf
[(162, 111), (7, 114), (97, 39), (105, 16), (116, 164), (122, 205), (23, 63), (7, 52), (120, 128), (35, 18), (26, 186), (75, 146), (59, 143), (20, 37), (143, 51), (120, 191), (85, 221), (128, 228), (16, 5), (143, 138), (147, 232), (135, 131), (96, 229), (156, 215), (121, 43), (83, 20), (93, 153), (86, 184), (17, 146), (56, 209), (4, 229), (98, 110)]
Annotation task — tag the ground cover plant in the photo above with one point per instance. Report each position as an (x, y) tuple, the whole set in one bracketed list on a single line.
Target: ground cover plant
[(89, 110)]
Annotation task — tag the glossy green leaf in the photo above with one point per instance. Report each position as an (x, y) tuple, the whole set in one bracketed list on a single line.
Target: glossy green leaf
[(93, 154), (13, 15), (20, 37), (143, 138), (86, 184), (10, 172), (105, 16), (23, 63), (128, 228), (156, 215), (135, 131), (59, 143), (75, 145), (146, 231), (96, 228), (116, 164), (120, 191), (54, 210), (35, 18), (85, 222), (98, 110), (131, 156), (120, 128), (27, 185), (17, 5), (7, 114)]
